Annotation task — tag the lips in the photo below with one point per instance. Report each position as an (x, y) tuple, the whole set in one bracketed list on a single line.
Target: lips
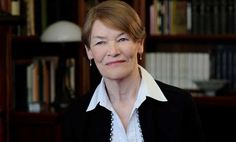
[(115, 62)]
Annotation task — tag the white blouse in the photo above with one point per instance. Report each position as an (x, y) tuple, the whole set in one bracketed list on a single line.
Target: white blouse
[(148, 87)]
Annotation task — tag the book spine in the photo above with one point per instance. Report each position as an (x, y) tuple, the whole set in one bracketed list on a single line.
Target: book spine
[(222, 18), (178, 17), (30, 17), (195, 4), (201, 19), (15, 7), (229, 15), (234, 16), (208, 30), (153, 18), (216, 12), (5, 6), (234, 70), (224, 65), (44, 22)]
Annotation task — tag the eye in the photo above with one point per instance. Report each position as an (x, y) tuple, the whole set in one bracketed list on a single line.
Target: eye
[(123, 39), (100, 43)]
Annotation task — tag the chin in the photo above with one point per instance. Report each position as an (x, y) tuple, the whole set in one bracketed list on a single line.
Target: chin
[(116, 75)]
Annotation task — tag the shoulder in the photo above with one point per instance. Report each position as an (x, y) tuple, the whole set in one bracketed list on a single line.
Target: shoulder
[(172, 90), (180, 112), (179, 105), (174, 94)]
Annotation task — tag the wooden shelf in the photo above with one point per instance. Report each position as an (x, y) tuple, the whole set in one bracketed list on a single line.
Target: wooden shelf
[(229, 101), (29, 47), (36, 118), (196, 39), (187, 43), (11, 20), (29, 127), (217, 115)]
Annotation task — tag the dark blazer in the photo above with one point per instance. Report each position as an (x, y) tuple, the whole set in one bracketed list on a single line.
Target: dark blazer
[(176, 120)]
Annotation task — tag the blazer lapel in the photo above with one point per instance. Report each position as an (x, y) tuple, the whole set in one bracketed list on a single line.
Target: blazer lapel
[(100, 124)]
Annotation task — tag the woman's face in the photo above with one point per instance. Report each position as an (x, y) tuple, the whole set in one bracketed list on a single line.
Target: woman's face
[(113, 51)]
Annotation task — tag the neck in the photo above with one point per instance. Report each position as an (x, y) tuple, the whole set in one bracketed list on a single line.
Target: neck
[(123, 90)]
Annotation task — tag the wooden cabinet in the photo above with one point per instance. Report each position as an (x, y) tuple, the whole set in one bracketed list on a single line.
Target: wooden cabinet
[(217, 116), (36, 127)]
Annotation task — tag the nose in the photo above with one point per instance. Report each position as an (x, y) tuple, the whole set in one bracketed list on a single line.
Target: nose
[(113, 50)]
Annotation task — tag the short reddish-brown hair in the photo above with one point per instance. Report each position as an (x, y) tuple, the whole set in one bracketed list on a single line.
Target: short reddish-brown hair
[(116, 14)]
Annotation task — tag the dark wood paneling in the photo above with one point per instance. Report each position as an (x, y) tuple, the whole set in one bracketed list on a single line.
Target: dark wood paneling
[(35, 127)]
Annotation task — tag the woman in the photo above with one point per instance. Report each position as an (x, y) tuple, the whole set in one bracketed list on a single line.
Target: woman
[(128, 105)]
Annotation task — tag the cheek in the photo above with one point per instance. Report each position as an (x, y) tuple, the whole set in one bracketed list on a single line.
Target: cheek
[(98, 54), (130, 52)]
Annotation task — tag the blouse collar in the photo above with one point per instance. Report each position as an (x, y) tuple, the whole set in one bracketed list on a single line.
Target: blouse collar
[(148, 88)]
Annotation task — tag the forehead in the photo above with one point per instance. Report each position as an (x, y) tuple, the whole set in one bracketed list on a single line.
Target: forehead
[(99, 28)]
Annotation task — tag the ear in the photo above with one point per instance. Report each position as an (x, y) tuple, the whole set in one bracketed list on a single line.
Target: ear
[(141, 46), (89, 53)]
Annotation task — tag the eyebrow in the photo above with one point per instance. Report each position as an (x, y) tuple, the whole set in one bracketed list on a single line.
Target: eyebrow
[(102, 37)]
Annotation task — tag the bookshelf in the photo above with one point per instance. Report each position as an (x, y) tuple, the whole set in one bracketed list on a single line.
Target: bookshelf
[(210, 32), (26, 45), (18, 47), (206, 31), (26, 49)]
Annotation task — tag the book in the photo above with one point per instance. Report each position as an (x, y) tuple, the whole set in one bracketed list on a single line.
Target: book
[(223, 65), (178, 69), (15, 7), (178, 17), (41, 83), (155, 17), (5, 6), (30, 17)]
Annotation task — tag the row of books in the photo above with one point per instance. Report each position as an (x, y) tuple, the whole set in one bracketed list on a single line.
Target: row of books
[(223, 64), (195, 17), (44, 81), (168, 17), (39, 14), (26, 9), (178, 69)]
